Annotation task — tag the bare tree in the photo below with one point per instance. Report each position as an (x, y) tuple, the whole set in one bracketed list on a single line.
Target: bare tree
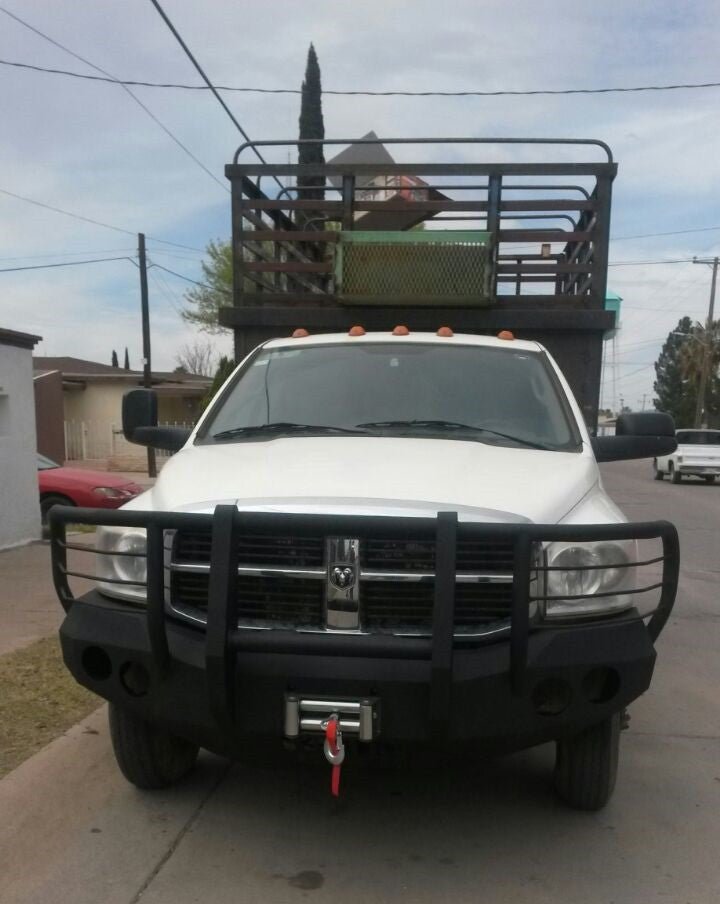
[(198, 358)]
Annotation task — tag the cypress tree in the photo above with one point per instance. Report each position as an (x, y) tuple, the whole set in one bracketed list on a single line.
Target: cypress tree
[(114, 361), (311, 125), (127, 359)]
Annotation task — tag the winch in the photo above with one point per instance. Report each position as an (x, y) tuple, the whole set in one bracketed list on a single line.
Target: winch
[(331, 717)]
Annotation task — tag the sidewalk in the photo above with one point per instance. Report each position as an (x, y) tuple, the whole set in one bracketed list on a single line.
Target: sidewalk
[(29, 608)]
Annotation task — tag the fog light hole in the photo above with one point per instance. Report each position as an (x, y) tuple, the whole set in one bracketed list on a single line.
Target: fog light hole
[(135, 678), (96, 663), (552, 696), (600, 685)]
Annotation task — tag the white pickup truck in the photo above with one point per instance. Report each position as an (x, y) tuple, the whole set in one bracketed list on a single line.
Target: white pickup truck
[(375, 536), (697, 455)]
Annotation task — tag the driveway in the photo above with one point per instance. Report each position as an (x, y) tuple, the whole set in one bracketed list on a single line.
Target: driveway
[(73, 830), (29, 608)]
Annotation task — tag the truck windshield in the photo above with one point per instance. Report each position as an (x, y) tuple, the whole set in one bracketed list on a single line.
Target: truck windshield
[(505, 397)]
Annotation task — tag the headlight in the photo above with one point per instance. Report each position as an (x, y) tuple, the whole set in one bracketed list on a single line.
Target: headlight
[(124, 560), (112, 493), (596, 572)]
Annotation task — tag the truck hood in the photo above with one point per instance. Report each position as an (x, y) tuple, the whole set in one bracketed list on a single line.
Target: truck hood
[(376, 475)]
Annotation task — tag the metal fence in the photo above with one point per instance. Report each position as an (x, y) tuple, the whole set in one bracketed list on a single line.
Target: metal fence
[(102, 440)]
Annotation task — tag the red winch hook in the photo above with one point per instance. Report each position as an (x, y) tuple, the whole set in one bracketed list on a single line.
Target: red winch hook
[(334, 750)]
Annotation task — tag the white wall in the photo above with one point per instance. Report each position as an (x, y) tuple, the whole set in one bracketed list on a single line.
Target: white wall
[(19, 500)]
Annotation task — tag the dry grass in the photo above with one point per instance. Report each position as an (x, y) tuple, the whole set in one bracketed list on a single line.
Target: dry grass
[(39, 700)]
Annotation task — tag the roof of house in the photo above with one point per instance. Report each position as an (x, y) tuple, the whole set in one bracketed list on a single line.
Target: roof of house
[(376, 152), (364, 153), (20, 340), (80, 368)]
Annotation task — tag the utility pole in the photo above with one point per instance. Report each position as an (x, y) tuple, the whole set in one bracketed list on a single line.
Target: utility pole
[(147, 372), (707, 349)]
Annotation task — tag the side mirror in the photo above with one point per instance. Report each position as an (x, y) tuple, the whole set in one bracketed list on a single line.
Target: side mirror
[(139, 409), (140, 426), (644, 434)]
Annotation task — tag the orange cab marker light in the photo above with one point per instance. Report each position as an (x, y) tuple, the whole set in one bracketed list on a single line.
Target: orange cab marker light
[(445, 331), (356, 331), (401, 330), (300, 333), (506, 334)]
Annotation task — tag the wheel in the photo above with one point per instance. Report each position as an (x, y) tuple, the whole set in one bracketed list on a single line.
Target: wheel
[(658, 473), (148, 756), (586, 765), (675, 476), (47, 502), (709, 478)]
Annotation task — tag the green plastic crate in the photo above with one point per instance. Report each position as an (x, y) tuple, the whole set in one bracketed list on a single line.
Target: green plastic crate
[(428, 267)]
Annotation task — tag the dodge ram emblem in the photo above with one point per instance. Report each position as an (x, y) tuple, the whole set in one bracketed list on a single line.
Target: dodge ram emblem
[(342, 577)]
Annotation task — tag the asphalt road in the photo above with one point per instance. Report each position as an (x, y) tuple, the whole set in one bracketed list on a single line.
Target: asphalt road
[(73, 830)]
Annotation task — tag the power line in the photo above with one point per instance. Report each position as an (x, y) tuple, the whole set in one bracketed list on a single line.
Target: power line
[(111, 78), (98, 260), (30, 257), (201, 71), (162, 291), (638, 346), (653, 235), (195, 281), (635, 372), (680, 260), (180, 255), (162, 280), (77, 216), (623, 89)]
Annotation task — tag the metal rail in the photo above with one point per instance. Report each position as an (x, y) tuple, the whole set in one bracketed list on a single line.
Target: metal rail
[(305, 264), (327, 142)]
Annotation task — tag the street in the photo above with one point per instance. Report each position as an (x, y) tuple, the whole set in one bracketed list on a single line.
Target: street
[(74, 830)]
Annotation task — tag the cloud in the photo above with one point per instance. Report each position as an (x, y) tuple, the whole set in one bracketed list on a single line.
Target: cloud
[(89, 148)]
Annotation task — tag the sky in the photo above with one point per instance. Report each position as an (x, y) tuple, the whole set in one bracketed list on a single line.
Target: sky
[(90, 149)]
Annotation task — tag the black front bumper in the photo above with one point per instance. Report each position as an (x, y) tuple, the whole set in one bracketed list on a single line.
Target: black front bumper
[(222, 686)]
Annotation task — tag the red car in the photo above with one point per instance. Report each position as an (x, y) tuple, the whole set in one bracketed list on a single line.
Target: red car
[(78, 486)]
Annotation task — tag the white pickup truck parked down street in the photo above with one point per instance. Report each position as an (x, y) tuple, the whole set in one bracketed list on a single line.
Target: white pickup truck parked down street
[(382, 537), (697, 455)]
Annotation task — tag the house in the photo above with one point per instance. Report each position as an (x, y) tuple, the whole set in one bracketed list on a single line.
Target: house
[(384, 187), (79, 405), (19, 499)]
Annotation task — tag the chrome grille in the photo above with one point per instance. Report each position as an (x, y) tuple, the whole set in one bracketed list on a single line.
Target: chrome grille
[(419, 555), (283, 582), (253, 549), (277, 600), (392, 606), (395, 555)]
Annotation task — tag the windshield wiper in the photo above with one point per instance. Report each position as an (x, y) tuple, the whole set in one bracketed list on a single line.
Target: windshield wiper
[(454, 425), (283, 427)]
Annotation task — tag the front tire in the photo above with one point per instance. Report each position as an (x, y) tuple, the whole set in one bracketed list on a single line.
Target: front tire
[(674, 475), (47, 502), (658, 473), (709, 478), (586, 765), (149, 756)]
